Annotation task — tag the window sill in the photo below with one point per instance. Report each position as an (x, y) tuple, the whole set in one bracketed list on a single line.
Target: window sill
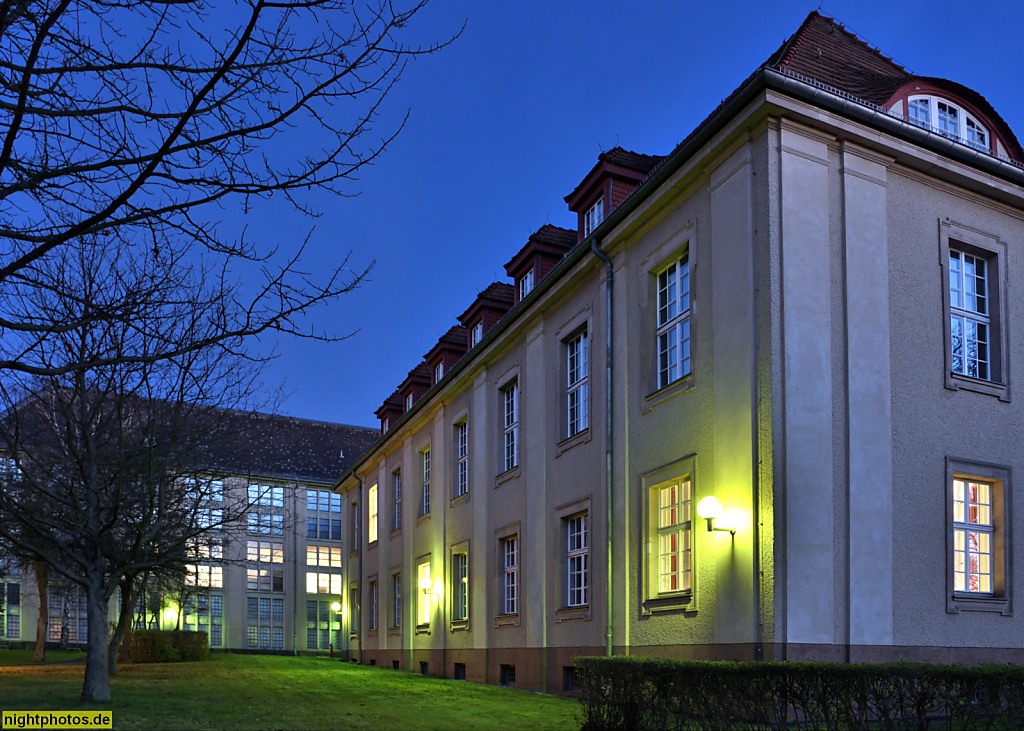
[(684, 384), (507, 620), (460, 499), (353, 554), (566, 614), (422, 629), (371, 545), (395, 533), (967, 603), (460, 625), (371, 632), (423, 519), (672, 602), (394, 631), (578, 438), (506, 476), (957, 381)]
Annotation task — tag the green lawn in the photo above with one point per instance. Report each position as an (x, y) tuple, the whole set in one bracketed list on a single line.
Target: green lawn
[(24, 657), (265, 692)]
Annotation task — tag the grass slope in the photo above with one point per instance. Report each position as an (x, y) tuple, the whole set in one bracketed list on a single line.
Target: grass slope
[(266, 692), (24, 657)]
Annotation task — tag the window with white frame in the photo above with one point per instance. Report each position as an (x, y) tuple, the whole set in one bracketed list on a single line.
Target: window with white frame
[(593, 217), (321, 620), (577, 560), (460, 577), (476, 334), (674, 536), (319, 582), (408, 402), (972, 536), (510, 576), (673, 322), (948, 119), (396, 600), (324, 556), (372, 591), (438, 372), (970, 322), (577, 370), (371, 518), (425, 475), (396, 500), (510, 425), (426, 595), (461, 458), (526, 284)]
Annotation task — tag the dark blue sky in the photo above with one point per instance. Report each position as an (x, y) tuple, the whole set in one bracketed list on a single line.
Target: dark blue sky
[(506, 121)]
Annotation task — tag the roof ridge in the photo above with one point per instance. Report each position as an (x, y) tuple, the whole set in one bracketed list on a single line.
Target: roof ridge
[(791, 45)]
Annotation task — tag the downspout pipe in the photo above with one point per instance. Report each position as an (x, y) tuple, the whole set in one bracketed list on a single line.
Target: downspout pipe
[(608, 422), (359, 547)]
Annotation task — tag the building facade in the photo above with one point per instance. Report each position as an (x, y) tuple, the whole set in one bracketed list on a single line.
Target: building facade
[(806, 311), (267, 584)]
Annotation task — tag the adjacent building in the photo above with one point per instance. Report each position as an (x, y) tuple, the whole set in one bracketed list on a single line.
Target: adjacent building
[(805, 310)]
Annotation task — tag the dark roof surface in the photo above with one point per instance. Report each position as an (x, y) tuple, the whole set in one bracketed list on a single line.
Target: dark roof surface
[(285, 447), (629, 159)]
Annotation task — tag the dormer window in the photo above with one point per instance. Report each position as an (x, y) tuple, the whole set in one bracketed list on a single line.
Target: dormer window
[(476, 334), (385, 424), (438, 372), (408, 402), (949, 120), (526, 285), (593, 217)]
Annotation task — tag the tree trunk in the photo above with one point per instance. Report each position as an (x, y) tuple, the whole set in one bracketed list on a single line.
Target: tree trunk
[(97, 681), (42, 572), (123, 629)]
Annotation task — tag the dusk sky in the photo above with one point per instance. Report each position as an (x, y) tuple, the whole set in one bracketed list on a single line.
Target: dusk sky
[(508, 119)]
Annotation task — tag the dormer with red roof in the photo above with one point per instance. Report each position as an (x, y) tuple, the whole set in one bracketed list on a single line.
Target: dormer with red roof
[(414, 386), (449, 349), (389, 412), (488, 307), (543, 250), (615, 175)]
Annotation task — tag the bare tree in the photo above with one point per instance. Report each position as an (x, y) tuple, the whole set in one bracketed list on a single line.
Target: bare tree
[(140, 120)]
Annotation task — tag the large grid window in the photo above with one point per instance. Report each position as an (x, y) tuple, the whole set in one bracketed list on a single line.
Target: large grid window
[(323, 501), (510, 583), (264, 623), (460, 577), (673, 322), (324, 556), (577, 560), (396, 500), (970, 324), (266, 495), (323, 583), (264, 576), (323, 528), (320, 621), (268, 524), (674, 538), (461, 458), (205, 576), (371, 522), (949, 120), (510, 425), (972, 536), (425, 475), (577, 369)]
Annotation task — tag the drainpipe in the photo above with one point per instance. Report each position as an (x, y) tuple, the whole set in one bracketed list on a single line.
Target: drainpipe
[(359, 547), (297, 563), (607, 436)]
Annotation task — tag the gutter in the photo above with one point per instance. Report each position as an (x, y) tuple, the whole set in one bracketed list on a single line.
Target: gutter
[(608, 421)]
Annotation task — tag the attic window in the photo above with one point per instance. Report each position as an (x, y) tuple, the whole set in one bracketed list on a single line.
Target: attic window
[(476, 334), (438, 372), (408, 402), (593, 217), (948, 120), (526, 284), (384, 424)]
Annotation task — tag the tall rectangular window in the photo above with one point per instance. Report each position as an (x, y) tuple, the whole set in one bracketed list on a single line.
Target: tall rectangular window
[(371, 522), (460, 577), (673, 323), (593, 217), (674, 537), (461, 458), (969, 315), (972, 536), (476, 334), (396, 500), (396, 600), (510, 436), (510, 583), (373, 604), (422, 579), (576, 383), (577, 560), (425, 474), (526, 284)]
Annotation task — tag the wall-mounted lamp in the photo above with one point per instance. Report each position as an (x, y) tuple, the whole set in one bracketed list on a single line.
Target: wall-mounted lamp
[(336, 607), (426, 584), (710, 508)]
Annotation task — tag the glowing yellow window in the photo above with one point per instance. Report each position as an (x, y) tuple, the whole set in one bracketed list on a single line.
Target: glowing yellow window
[(674, 537), (972, 536)]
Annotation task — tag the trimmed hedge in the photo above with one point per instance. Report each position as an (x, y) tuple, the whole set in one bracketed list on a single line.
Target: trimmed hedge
[(153, 645), (651, 693)]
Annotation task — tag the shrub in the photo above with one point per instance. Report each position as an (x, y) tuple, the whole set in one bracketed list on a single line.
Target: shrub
[(650, 693), (151, 645)]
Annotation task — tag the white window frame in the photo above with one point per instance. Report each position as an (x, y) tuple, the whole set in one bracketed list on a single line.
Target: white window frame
[(673, 305), (970, 329), (674, 523), (510, 425), (372, 506), (460, 580), (476, 334), (373, 604), (510, 574), (425, 473), (396, 600), (408, 402), (461, 458), (577, 384), (577, 560), (438, 372), (525, 285), (948, 119), (425, 596), (396, 500), (593, 217)]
